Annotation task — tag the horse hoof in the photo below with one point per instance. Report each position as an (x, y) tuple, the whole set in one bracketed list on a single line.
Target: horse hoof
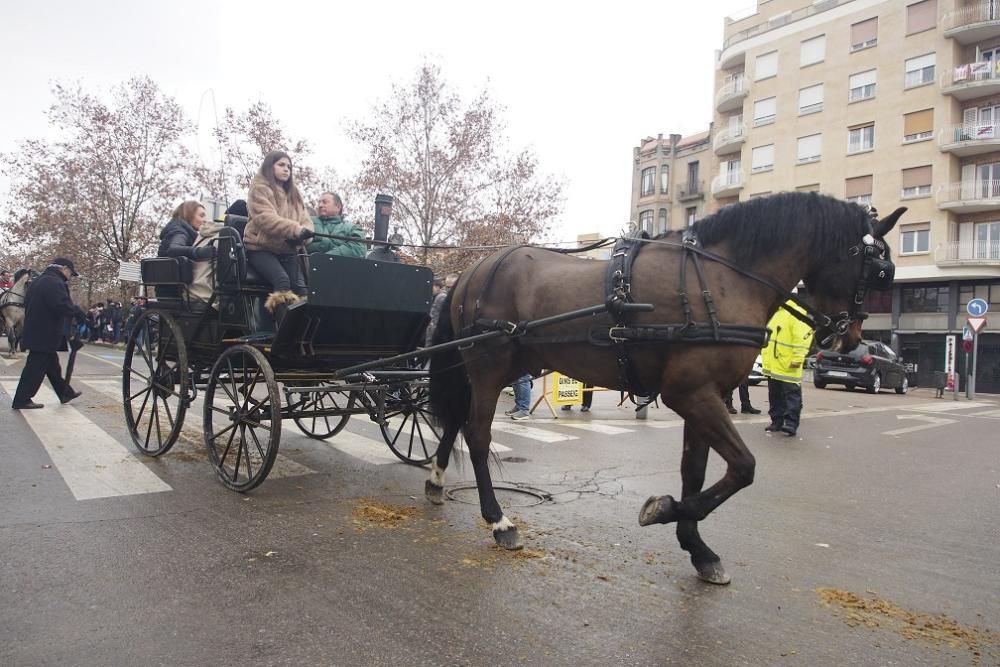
[(658, 509), (713, 573), (434, 493), (507, 535)]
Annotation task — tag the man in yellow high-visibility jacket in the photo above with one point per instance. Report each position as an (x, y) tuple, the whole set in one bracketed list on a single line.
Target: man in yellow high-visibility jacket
[(783, 361)]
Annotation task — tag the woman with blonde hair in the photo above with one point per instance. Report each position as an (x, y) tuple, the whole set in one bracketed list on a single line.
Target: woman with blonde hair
[(278, 227), (177, 237)]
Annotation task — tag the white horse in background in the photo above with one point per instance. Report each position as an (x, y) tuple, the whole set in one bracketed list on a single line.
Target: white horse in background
[(12, 308)]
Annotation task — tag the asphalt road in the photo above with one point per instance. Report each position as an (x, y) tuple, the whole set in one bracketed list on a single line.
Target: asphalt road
[(857, 535)]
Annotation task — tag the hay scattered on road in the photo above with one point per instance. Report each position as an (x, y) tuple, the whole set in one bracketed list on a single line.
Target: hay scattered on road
[(382, 515), (937, 629)]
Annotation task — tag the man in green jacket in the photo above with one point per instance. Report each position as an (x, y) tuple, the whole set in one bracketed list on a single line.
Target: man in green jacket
[(331, 221)]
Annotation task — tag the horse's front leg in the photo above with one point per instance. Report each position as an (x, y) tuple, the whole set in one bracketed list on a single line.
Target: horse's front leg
[(434, 487), (694, 459), (477, 439)]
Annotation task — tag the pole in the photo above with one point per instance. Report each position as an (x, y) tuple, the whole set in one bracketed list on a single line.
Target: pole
[(972, 378)]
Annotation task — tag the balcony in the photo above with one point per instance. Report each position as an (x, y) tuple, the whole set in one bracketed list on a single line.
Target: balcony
[(966, 140), (973, 23), (730, 97), (968, 253), (689, 191), (727, 184), (969, 196), (735, 47), (730, 140), (972, 80)]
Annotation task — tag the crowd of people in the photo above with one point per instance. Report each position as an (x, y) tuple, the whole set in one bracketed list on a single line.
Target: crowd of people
[(110, 323)]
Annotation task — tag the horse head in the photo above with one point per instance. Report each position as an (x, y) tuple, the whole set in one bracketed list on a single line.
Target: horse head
[(839, 292)]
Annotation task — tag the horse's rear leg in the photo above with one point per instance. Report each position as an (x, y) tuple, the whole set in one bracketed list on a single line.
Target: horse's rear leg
[(693, 463), (434, 487)]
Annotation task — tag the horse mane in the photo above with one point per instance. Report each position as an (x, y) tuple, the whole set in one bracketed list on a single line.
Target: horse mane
[(757, 227), (20, 273)]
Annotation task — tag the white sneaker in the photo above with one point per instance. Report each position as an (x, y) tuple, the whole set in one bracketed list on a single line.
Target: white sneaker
[(519, 415)]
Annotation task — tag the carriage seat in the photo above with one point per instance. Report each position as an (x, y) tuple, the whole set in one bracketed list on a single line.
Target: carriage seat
[(167, 271), (232, 267)]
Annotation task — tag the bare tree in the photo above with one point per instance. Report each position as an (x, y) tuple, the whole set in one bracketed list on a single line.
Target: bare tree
[(244, 139), (99, 190), (444, 162)]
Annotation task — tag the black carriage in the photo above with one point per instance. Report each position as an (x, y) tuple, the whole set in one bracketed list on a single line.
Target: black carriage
[(254, 374)]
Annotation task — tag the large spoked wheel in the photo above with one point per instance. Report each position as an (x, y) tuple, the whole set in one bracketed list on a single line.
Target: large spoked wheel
[(155, 384), (319, 423), (409, 428), (242, 417)]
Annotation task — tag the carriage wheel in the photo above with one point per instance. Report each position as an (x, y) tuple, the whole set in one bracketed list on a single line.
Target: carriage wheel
[(326, 426), (409, 429), (242, 417), (155, 384)]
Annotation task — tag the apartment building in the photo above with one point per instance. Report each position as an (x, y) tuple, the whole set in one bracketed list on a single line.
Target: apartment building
[(892, 102), (669, 181)]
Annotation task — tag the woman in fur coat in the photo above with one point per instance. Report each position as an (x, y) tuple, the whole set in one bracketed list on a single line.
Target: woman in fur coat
[(277, 228)]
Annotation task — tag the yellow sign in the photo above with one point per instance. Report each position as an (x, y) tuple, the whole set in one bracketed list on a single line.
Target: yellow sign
[(566, 390)]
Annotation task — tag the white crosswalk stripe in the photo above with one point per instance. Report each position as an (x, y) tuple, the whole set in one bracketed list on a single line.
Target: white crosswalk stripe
[(394, 423), (194, 442), (530, 432), (6, 361), (948, 406), (603, 429), (92, 463)]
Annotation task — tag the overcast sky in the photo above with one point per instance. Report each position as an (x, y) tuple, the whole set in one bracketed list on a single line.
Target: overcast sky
[(581, 83)]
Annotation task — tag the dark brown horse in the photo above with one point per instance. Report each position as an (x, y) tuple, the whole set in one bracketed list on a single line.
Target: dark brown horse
[(762, 248)]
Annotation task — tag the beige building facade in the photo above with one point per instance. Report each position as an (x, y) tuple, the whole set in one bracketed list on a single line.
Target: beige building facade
[(670, 178), (889, 102)]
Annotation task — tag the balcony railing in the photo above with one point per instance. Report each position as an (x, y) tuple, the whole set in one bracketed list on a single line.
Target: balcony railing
[(970, 196), (691, 190), (979, 12), (732, 90), (968, 252), (735, 134), (780, 20), (729, 181), (972, 139)]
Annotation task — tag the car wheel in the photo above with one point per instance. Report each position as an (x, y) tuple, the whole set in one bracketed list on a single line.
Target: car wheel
[(903, 388), (819, 384), (876, 384)]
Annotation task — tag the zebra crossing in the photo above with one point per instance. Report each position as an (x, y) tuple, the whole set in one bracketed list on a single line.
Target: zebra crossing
[(108, 466)]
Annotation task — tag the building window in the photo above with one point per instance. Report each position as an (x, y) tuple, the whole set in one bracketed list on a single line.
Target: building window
[(858, 190), (924, 300), (811, 99), (919, 70), (914, 239), (692, 184), (662, 226), (860, 139), (810, 148), (760, 194), (864, 34), (691, 215), (812, 51), (762, 158), (764, 111), (990, 293), (921, 16), (918, 126), (648, 182), (810, 187), (766, 65), (861, 86), (664, 179), (646, 221), (917, 182), (987, 240)]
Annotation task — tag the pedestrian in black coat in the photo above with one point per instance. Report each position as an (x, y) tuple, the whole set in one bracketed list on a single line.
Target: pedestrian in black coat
[(48, 315)]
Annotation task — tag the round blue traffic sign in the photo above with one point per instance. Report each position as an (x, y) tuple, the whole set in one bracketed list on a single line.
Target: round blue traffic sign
[(977, 307)]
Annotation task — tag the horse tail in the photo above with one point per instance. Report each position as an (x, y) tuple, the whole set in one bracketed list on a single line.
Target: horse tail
[(450, 391)]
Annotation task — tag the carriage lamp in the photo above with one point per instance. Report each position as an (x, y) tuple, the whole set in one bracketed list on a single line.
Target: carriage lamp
[(383, 210)]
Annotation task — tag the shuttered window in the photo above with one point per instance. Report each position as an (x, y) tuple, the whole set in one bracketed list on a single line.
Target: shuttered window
[(812, 51), (916, 181), (764, 111), (810, 148), (766, 65), (861, 86), (918, 125), (864, 34), (921, 16), (861, 138), (920, 70), (858, 189), (811, 99), (762, 158)]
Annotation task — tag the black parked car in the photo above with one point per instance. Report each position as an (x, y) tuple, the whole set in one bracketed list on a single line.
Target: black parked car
[(872, 365)]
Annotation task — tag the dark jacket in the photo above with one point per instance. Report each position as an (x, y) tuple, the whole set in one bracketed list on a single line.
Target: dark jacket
[(177, 239), (47, 313)]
